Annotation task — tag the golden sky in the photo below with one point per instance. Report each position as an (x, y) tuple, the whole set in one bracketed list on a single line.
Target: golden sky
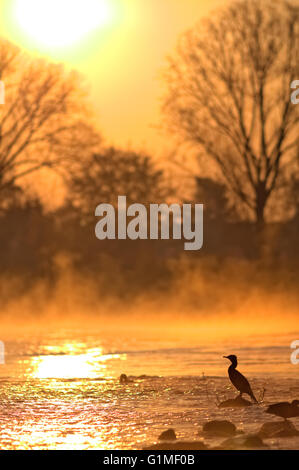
[(119, 45)]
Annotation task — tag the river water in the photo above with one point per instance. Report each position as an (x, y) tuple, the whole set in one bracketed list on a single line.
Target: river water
[(61, 390)]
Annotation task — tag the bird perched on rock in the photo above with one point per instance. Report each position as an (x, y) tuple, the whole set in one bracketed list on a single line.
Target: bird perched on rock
[(284, 409), (238, 379)]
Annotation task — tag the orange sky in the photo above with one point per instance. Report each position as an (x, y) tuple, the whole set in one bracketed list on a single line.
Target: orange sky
[(122, 61)]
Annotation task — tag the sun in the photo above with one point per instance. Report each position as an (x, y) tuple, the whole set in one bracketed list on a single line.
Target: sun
[(61, 23)]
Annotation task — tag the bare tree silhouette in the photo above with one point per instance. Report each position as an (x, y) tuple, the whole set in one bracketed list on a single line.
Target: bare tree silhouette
[(112, 173), (229, 96), (43, 121)]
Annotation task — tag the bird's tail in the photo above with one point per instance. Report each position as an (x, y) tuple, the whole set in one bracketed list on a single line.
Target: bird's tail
[(251, 394)]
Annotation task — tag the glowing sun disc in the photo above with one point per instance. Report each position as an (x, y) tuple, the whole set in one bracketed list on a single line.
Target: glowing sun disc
[(61, 23)]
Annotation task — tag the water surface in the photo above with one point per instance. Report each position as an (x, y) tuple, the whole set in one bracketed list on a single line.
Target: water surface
[(61, 390)]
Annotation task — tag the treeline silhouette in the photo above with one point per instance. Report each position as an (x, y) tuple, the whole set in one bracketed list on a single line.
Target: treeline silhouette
[(45, 246)]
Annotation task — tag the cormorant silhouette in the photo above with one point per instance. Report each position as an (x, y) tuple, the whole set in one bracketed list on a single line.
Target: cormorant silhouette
[(284, 409), (238, 379)]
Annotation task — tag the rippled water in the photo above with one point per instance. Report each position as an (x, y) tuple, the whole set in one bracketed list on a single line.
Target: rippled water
[(61, 391)]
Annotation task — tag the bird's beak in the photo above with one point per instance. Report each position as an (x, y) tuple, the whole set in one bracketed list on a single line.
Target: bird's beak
[(225, 357)]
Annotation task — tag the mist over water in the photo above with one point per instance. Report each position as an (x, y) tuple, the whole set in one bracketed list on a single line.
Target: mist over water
[(216, 298)]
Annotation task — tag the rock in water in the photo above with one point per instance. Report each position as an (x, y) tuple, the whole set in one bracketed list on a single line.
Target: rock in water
[(168, 435), (278, 429), (251, 441), (219, 428), (238, 402), (179, 445)]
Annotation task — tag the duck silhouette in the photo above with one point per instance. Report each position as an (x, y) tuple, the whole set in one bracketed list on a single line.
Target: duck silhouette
[(124, 379), (284, 409), (237, 379)]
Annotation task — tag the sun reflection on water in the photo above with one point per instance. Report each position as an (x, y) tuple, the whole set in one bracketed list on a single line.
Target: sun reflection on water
[(68, 365)]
